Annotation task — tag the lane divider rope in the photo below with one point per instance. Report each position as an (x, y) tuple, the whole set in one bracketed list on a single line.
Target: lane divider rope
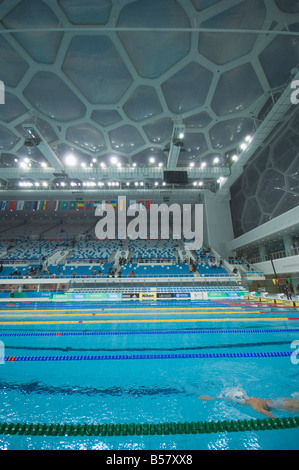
[(158, 332), (118, 429), (144, 356), (157, 320)]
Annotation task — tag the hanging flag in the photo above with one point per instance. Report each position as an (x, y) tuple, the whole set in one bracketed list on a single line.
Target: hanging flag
[(64, 205), (113, 204), (44, 205), (140, 204), (80, 205), (20, 205), (73, 205), (88, 205), (273, 280), (121, 203), (56, 205), (12, 205), (105, 205), (148, 204), (35, 205), (3, 206), (96, 204), (133, 204), (28, 205)]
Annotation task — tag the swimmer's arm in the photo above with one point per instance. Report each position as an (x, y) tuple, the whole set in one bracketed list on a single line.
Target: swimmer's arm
[(206, 398)]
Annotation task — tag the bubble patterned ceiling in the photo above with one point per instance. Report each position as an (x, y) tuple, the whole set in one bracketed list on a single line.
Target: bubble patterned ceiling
[(113, 78)]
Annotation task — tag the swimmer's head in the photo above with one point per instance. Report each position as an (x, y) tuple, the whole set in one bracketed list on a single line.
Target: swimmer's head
[(235, 395), (239, 398)]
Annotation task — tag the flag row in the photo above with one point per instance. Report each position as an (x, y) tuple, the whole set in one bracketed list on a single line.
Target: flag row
[(69, 205)]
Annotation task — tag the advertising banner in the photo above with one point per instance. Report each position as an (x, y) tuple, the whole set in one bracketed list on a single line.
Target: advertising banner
[(130, 296), (147, 296), (164, 295), (182, 295)]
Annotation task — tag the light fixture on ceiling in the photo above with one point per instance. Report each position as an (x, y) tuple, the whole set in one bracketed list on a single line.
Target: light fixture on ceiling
[(70, 160)]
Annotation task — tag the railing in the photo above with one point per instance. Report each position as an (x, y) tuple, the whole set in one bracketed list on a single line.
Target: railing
[(277, 255)]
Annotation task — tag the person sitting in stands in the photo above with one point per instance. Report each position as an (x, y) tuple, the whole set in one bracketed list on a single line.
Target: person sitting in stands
[(132, 274)]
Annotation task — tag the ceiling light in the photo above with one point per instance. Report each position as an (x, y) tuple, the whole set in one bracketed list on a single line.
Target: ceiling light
[(200, 183), (134, 165), (234, 158), (160, 164), (216, 160), (243, 146), (248, 138), (191, 165), (152, 160), (43, 164), (136, 184), (113, 160), (156, 183), (194, 183), (71, 160), (203, 164), (102, 164), (128, 184), (94, 160), (83, 164), (118, 165)]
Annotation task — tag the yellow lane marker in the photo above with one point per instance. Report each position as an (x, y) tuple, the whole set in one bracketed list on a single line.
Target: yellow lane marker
[(119, 309), (117, 314), (143, 321)]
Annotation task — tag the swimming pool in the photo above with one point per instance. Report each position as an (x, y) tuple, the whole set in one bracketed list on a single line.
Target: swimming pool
[(144, 362)]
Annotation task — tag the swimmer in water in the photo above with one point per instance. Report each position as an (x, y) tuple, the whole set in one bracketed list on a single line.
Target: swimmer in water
[(261, 405)]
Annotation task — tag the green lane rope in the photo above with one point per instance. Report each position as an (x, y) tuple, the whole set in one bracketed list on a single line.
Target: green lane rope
[(199, 427)]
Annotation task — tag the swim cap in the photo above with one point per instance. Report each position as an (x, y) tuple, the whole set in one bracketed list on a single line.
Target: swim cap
[(234, 394), (239, 397)]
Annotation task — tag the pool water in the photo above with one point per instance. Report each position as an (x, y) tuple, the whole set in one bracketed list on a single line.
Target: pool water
[(148, 363)]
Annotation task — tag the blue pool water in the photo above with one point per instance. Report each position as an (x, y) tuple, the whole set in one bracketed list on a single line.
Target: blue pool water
[(113, 387)]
